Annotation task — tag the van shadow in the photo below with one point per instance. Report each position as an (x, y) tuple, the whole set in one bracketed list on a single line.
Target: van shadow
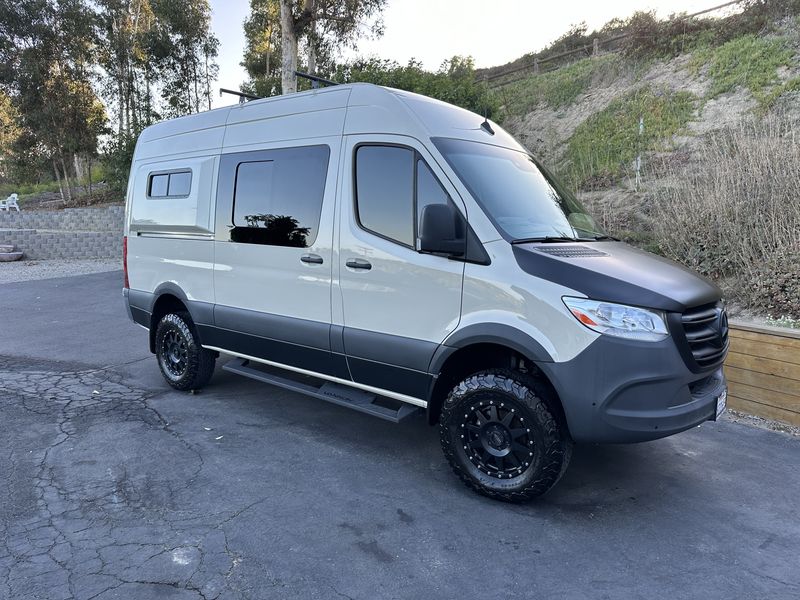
[(600, 478)]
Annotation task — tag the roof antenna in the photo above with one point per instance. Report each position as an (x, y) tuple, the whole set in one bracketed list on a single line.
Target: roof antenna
[(486, 126)]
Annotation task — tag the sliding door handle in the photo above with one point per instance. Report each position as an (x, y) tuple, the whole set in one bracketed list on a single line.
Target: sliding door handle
[(314, 259), (358, 263)]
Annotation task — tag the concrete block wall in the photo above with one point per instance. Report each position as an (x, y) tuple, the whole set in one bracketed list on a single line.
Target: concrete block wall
[(110, 218), (64, 244), (69, 233)]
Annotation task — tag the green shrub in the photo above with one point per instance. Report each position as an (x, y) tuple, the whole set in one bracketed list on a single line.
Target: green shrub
[(768, 99), (558, 88), (453, 82), (650, 36), (117, 161), (605, 145), (748, 61), (27, 189)]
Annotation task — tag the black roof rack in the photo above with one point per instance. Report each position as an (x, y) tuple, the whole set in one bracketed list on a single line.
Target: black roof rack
[(315, 81), (243, 97)]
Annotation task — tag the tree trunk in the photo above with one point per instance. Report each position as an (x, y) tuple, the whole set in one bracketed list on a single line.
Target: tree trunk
[(288, 49), (60, 184), (312, 50), (148, 100), (67, 185), (208, 82), (121, 107), (196, 90)]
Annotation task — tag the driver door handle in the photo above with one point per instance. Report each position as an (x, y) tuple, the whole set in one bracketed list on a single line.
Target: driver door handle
[(314, 259), (358, 263)]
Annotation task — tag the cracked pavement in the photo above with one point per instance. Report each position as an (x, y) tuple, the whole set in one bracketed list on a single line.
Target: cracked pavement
[(112, 485)]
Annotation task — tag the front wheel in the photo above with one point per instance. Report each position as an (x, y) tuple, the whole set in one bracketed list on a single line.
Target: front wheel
[(501, 437), (185, 364)]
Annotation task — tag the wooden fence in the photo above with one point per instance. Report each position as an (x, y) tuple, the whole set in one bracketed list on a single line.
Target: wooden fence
[(496, 77), (763, 371)]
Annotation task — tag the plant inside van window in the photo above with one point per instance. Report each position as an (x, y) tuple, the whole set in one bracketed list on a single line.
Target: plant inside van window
[(277, 196), (273, 230)]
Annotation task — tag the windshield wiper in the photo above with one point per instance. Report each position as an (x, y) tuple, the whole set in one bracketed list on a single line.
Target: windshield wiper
[(550, 239), (605, 238)]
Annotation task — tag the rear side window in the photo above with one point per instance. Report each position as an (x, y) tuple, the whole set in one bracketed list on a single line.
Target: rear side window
[(393, 186), (180, 184), (177, 184), (277, 201)]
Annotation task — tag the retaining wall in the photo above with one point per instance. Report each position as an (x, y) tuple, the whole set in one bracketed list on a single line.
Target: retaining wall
[(108, 218), (68, 233), (763, 371)]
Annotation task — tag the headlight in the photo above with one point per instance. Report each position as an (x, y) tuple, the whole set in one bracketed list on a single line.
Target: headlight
[(619, 320)]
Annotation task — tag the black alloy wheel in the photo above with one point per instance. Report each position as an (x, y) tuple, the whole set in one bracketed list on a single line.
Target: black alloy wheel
[(496, 439), (500, 433), (184, 363)]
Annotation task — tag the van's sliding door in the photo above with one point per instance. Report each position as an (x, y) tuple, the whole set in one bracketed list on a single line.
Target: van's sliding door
[(273, 256)]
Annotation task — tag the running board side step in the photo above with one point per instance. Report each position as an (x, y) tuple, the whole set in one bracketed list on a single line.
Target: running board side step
[(366, 402)]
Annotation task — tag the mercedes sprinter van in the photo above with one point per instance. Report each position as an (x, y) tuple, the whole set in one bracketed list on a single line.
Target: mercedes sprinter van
[(389, 252)]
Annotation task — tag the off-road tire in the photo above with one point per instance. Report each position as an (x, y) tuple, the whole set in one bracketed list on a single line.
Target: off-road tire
[(176, 334), (531, 400)]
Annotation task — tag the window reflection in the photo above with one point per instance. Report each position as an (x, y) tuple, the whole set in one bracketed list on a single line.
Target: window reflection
[(273, 230), (277, 196)]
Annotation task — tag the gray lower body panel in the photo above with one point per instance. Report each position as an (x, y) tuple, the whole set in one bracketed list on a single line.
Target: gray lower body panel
[(388, 362), (619, 391)]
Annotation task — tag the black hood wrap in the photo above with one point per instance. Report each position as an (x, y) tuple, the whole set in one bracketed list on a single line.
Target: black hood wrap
[(625, 275)]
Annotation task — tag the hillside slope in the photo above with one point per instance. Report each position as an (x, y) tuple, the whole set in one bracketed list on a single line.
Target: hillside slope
[(719, 186)]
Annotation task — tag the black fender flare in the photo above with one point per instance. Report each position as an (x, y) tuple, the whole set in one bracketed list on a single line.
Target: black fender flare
[(144, 303), (488, 333)]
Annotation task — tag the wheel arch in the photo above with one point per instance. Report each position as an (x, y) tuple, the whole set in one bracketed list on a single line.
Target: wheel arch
[(486, 346), (166, 302)]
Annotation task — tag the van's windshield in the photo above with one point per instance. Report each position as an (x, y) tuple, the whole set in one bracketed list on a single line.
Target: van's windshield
[(517, 194)]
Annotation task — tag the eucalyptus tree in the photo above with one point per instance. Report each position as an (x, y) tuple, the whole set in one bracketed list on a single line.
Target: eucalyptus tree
[(319, 27), (323, 25), (125, 28), (183, 49), (262, 54), (46, 62)]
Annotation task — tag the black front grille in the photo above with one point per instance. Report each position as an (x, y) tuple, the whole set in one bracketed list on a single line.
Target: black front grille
[(706, 330)]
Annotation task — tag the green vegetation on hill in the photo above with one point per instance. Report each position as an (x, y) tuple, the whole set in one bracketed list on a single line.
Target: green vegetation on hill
[(558, 88), (603, 147), (748, 61)]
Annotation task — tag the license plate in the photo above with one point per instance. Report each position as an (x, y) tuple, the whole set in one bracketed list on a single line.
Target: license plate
[(722, 403)]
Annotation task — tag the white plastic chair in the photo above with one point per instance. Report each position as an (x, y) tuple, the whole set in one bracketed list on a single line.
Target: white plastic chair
[(9, 203)]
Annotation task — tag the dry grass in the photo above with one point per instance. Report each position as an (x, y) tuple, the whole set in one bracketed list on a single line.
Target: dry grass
[(734, 213)]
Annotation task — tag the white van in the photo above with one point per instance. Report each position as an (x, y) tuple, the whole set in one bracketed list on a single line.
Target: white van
[(390, 253)]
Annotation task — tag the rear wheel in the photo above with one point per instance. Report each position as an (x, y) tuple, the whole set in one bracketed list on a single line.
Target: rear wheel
[(184, 363), (501, 437)]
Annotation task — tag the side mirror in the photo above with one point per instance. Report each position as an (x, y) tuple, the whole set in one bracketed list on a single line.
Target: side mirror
[(437, 232)]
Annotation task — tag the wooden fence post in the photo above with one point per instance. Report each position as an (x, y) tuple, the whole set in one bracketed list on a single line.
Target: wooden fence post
[(535, 66), (595, 47)]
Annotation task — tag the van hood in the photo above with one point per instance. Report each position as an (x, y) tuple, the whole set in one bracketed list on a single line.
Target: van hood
[(617, 272)]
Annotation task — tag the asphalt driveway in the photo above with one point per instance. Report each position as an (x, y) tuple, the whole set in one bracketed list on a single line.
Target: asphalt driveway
[(114, 486)]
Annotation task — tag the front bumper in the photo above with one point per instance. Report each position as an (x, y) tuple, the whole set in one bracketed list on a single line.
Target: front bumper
[(622, 391)]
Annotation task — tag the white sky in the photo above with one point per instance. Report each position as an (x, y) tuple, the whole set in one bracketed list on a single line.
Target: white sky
[(493, 32)]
